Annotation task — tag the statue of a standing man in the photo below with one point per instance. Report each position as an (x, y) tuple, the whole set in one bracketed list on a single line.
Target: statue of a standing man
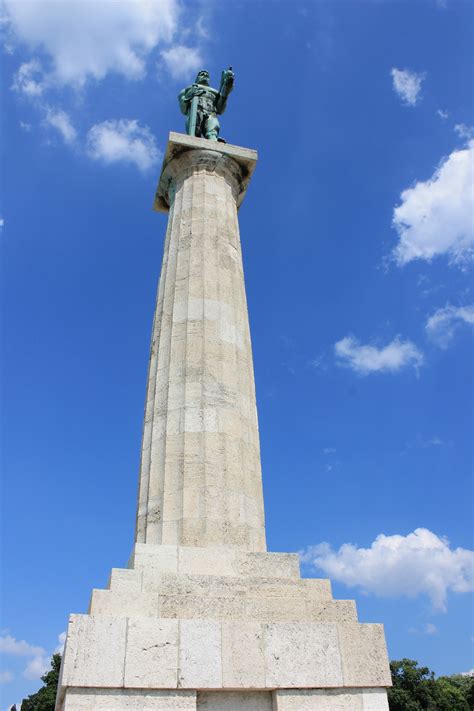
[(201, 104)]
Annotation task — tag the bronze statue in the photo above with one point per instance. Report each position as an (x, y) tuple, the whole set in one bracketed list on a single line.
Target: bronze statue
[(201, 104)]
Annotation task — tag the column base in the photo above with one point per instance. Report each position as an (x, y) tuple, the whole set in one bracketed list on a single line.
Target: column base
[(187, 627), (283, 700)]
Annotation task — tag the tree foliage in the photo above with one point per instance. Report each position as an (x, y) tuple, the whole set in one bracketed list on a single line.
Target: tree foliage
[(45, 698), (416, 689)]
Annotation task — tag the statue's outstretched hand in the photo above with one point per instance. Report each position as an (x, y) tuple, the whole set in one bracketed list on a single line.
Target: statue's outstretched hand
[(228, 77)]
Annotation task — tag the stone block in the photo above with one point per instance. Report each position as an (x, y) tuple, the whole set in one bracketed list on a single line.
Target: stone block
[(302, 655), (317, 588), (200, 659), (364, 655), (206, 561), (331, 611), (152, 580), (318, 700), (243, 662), (95, 651), (189, 607), (124, 579), (234, 700), (151, 658), (276, 609), (124, 603), (268, 565), (162, 558), (129, 700), (375, 700)]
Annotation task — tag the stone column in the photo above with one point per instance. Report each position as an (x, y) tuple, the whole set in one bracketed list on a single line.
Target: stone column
[(200, 478)]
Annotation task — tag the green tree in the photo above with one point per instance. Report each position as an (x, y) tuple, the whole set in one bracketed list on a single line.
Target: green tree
[(413, 686), (416, 689), (45, 698)]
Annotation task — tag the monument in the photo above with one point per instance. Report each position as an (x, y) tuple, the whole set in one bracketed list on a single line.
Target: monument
[(204, 617)]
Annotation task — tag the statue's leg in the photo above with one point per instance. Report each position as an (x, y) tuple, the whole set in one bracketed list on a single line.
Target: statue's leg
[(211, 127), (199, 123)]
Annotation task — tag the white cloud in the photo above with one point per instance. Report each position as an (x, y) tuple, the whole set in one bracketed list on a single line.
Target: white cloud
[(443, 323), (25, 126), (429, 628), (420, 563), (436, 216), (464, 131), (60, 647), (182, 61), (2, 222), (407, 84), (431, 442), (38, 666), (442, 114), (329, 450), (61, 121), (6, 676), (365, 359), (19, 648), (86, 39), (123, 140), (468, 673), (29, 80)]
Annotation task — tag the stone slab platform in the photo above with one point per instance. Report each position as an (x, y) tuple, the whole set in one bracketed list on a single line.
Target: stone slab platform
[(287, 700), (220, 620), (141, 653)]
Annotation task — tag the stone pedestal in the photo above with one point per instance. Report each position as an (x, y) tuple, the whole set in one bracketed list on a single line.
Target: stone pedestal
[(204, 617)]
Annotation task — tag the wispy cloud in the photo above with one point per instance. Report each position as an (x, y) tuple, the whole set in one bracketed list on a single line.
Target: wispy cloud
[(36, 667), (61, 641), (464, 131), (427, 629), (435, 216), (441, 326), (40, 659), (407, 84), (61, 121), (18, 648), (366, 359), (6, 676), (88, 40), (28, 79), (420, 563), (125, 141), (182, 61)]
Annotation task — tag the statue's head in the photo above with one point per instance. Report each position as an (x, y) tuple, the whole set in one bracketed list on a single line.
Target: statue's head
[(203, 77)]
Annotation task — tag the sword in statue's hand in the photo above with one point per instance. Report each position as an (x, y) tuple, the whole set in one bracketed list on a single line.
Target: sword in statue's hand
[(193, 111)]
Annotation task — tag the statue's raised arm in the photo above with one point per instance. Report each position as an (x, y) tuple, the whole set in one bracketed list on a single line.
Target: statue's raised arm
[(227, 84), (201, 104)]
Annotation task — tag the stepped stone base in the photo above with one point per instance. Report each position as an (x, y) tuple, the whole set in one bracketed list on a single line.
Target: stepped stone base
[(312, 700), (186, 627)]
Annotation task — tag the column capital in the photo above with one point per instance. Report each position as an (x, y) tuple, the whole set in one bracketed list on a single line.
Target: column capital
[(185, 154)]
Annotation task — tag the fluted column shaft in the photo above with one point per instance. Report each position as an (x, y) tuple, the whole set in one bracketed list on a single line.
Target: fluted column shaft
[(200, 477)]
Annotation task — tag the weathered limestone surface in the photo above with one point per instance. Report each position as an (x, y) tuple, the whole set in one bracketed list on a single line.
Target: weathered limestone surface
[(125, 700), (331, 700), (200, 478), (204, 617)]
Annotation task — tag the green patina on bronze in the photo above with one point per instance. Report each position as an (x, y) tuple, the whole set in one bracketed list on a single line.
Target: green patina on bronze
[(201, 104)]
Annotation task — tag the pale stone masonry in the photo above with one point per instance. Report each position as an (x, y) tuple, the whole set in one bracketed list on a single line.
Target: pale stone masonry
[(204, 617)]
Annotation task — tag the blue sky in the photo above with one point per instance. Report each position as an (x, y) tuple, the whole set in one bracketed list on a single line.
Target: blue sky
[(357, 232)]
